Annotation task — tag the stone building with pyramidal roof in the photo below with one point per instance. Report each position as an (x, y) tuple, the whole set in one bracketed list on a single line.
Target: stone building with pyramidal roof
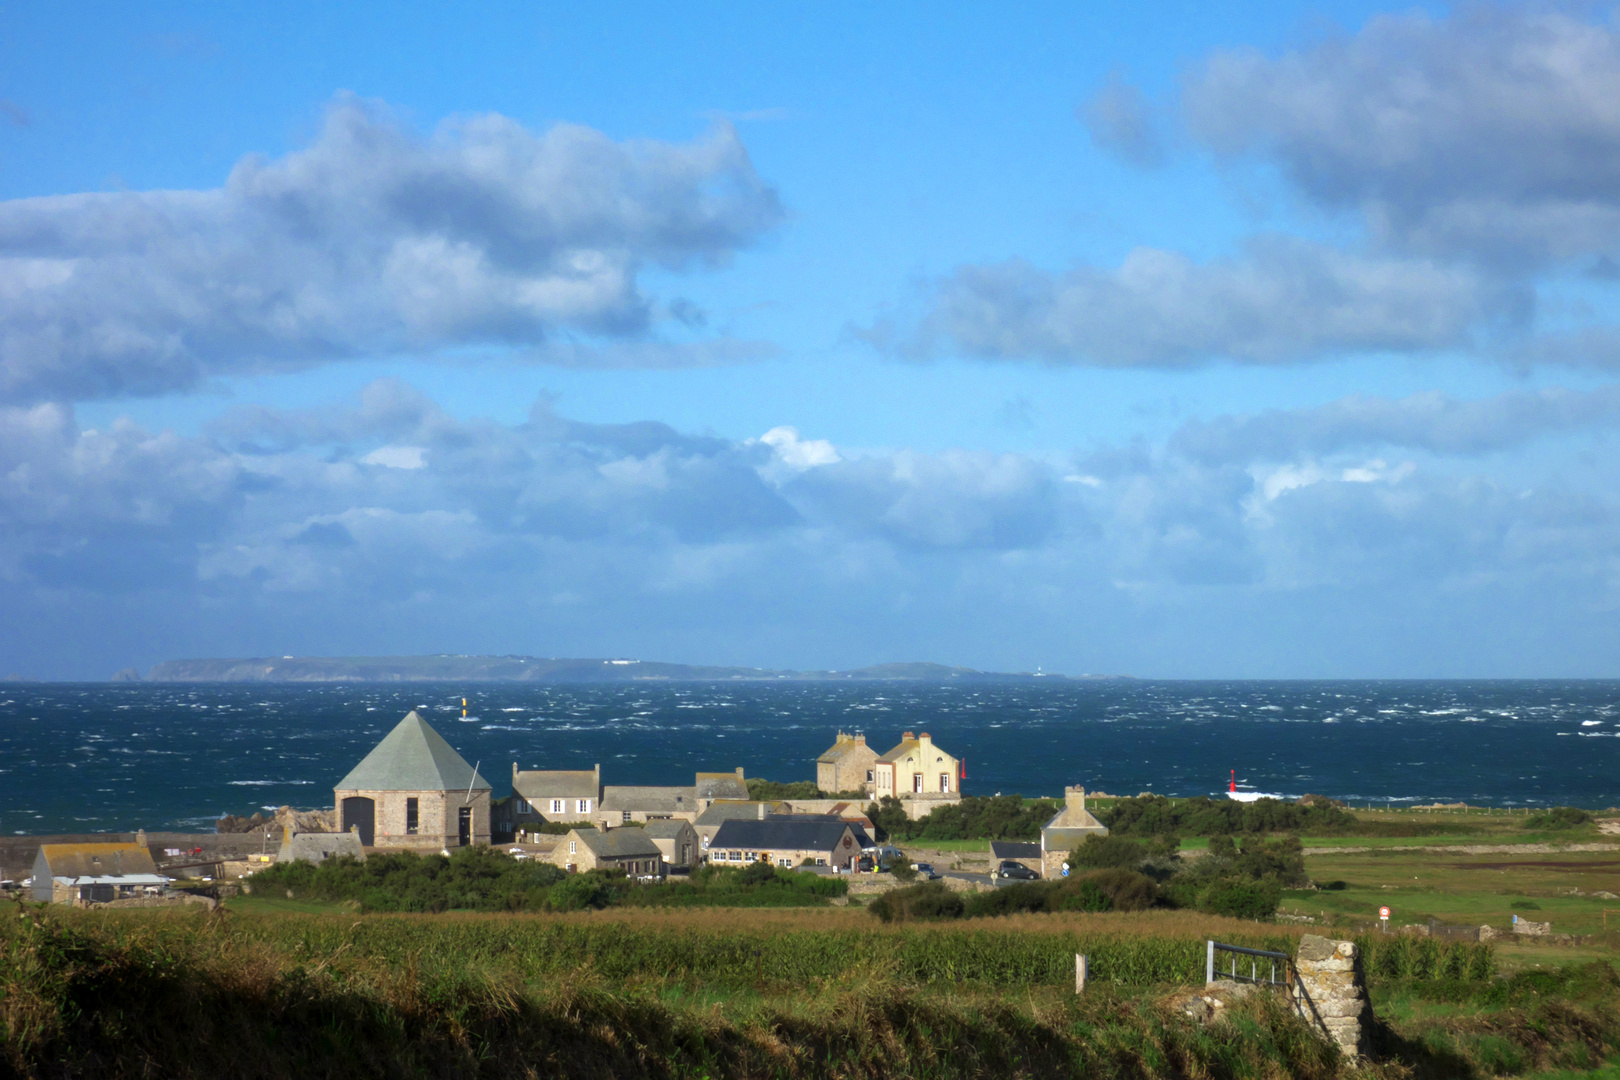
[(414, 791)]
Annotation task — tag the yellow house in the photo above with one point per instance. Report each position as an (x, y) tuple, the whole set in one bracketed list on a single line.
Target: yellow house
[(916, 767)]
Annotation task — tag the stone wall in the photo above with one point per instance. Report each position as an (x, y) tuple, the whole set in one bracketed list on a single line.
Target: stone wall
[(1330, 992)]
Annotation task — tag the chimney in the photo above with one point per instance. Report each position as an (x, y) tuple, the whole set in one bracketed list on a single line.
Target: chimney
[(739, 772), (860, 740), (924, 738), (140, 837), (907, 735), (1074, 798), (514, 772)]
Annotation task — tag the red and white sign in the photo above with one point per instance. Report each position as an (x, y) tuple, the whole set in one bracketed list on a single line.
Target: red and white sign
[(1383, 913)]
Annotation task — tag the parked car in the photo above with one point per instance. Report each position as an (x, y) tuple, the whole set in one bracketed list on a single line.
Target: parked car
[(1016, 871), (925, 871)]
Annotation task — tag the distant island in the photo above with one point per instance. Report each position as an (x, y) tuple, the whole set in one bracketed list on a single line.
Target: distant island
[(452, 668)]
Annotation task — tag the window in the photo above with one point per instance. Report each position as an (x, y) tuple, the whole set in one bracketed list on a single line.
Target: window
[(521, 805), (944, 781), (871, 774), (821, 862), (556, 806), (411, 817), (734, 856), (916, 781), (573, 847), (626, 816), (783, 860), (584, 806)]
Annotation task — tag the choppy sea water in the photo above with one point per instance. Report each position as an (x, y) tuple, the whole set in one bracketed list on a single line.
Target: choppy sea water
[(96, 757)]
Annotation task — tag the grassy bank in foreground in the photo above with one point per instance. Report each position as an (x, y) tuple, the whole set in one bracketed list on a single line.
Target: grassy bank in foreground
[(818, 993)]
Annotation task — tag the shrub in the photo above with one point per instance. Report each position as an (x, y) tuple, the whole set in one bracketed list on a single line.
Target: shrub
[(1559, 817), (1106, 851), (1155, 815), (975, 817), (1525, 905), (1241, 899), (930, 900)]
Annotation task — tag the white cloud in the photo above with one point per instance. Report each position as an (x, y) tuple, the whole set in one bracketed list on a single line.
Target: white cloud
[(373, 240), (397, 457)]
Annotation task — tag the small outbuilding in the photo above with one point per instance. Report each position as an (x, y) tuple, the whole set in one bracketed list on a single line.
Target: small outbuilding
[(94, 873), (317, 847), (630, 850), (414, 791), (676, 840), (1067, 830)]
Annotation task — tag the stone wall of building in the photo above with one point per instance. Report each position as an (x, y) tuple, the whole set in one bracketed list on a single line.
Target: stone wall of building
[(1330, 991)]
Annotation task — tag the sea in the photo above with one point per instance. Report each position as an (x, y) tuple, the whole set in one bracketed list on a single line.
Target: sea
[(117, 757)]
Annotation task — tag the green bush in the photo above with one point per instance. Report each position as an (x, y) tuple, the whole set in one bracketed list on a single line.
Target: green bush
[(930, 900), (1155, 815), (1525, 905), (1559, 817), (471, 879), (1240, 899), (975, 817), (1106, 851)]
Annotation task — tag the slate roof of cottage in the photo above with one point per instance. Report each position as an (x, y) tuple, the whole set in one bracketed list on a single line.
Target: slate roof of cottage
[(617, 843), (722, 785), (316, 847), (1009, 849), (555, 784), (664, 830), (95, 860), (649, 799), (841, 748), (800, 832), (733, 810), (413, 757)]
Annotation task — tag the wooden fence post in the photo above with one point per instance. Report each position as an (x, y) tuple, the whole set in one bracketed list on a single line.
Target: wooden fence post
[(1081, 970)]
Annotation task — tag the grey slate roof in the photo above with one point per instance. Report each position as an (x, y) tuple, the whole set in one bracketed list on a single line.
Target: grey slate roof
[(555, 784), (721, 786), (733, 810), (649, 799), (1008, 849), (413, 757), (618, 843), (797, 833), (664, 830)]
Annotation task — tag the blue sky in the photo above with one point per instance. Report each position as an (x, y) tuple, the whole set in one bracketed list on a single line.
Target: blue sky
[(1272, 341)]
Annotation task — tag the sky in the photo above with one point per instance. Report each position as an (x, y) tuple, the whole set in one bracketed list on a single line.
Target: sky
[(1263, 340)]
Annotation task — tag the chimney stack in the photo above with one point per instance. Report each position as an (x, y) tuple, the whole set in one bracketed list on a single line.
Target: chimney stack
[(762, 811), (860, 740), (907, 735), (1074, 797), (739, 772)]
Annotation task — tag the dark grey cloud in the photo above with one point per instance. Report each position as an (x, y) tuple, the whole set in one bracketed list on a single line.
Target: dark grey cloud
[(1283, 301), (372, 240), (1431, 422), (1492, 134), (1121, 121)]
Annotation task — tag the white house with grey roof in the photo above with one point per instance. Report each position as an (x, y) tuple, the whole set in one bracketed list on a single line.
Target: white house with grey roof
[(555, 795), (414, 791), (788, 840)]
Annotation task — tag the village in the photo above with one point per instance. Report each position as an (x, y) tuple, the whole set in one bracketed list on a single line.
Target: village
[(415, 792)]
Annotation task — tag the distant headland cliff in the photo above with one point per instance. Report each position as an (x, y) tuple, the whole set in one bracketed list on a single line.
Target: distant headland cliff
[(451, 668)]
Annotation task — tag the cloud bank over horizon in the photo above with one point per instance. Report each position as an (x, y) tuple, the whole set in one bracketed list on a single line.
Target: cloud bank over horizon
[(389, 525)]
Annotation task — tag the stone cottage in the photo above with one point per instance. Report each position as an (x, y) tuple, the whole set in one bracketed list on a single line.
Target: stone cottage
[(414, 791), (94, 873), (623, 804), (630, 850), (848, 765), (788, 841), (1067, 830)]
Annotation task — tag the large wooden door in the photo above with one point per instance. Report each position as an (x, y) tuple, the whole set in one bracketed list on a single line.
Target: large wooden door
[(362, 812)]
